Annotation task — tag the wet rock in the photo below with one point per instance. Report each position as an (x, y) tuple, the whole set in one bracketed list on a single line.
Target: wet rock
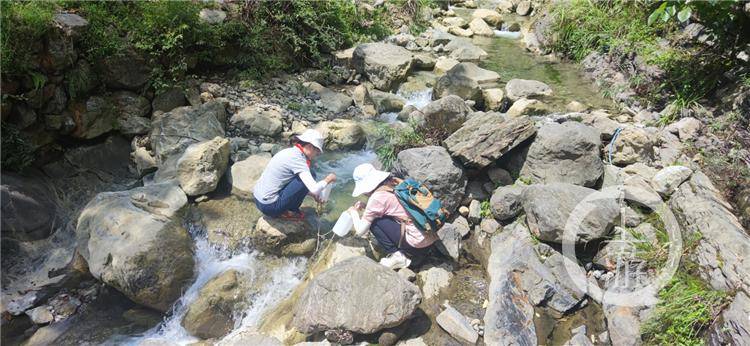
[(29, 208), (258, 121), (244, 174), (41, 314), (271, 234), (202, 165), (333, 101), (460, 32), (443, 65), (386, 102), (127, 71), (465, 80), (447, 113), (527, 107), (564, 153), (211, 315), (434, 279), (357, 295), (699, 207), (494, 99), (450, 241), (169, 99), (669, 179), (463, 50), (457, 325), (507, 202), (134, 241), (480, 27), (632, 145), (548, 208), (174, 131), (485, 138), (342, 252), (491, 17), (342, 134), (517, 89), (249, 337), (433, 166), (385, 65)]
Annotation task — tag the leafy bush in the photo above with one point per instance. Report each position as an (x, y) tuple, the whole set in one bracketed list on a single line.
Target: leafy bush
[(396, 140), (686, 308), (16, 152), (24, 24)]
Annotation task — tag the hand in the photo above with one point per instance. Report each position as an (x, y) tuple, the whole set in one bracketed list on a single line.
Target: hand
[(330, 178), (359, 205)]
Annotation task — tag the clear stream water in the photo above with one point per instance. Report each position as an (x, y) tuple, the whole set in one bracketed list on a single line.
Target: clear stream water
[(274, 278)]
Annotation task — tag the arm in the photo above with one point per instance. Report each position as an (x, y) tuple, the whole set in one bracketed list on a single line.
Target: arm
[(361, 226), (314, 187)]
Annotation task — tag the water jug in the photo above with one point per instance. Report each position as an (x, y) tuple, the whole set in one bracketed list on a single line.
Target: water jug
[(343, 224)]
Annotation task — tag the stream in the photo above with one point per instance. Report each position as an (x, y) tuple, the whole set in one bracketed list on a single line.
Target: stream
[(275, 277)]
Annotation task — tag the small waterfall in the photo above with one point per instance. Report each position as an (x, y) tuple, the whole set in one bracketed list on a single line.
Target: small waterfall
[(418, 99), (276, 276)]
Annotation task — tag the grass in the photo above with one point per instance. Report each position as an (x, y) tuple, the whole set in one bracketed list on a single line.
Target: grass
[(486, 209), (395, 140), (686, 308)]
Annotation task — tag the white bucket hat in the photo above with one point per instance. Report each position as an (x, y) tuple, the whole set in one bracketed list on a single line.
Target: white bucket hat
[(313, 137), (367, 178)]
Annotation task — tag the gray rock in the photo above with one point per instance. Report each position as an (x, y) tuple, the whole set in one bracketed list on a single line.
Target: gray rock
[(40, 314), (632, 145), (202, 165), (134, 241), (579, 337), (271, 234), (527, 107), (385, 65), (357, 295), (212, 16), (29, 208), (499, 176), (258, 121), (434, 279), (130, 105), (212, 314), (457, 325), (386, 102), (341, 134), (169, 99), (94, 118), (548, 208), (433, 166), (333, 101), (485, 138), (70, 24), (475, 212), (463, 50), (480, 27), (466, 81), (447, 113), (507, 202), (700, 207), (517, 89), (685, 128), (733, 327), (491, 17), (249, 336), (134, 126), (174, 131), (669, 179), (450, 241), (564, 153), (244, 174), (523, 8)]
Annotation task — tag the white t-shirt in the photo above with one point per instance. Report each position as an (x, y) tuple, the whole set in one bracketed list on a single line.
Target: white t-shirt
[(282, 168)]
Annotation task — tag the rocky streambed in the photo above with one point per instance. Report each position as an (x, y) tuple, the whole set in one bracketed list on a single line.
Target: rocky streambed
[(153, 239)]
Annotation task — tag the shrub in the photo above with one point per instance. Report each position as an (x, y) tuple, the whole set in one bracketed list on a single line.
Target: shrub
[(24, 24), (16, 152), (396, 140)]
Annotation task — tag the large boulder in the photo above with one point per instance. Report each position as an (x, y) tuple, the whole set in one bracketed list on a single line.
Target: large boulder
[(28, 207), (564, 153), (93, 118), (174, 131), (523, 88), (386, 102), (244, 174), (484, 138), (669, 179), (212, 314), (480, 27), (333, 101), (341, 134), (357, 295), (528, 107), (134, 241), (700, 209), (433, 166), (466, 81), (491, 17), (202, 165), (463, 50), (447, 113), (169, 99), (633, 144), (271, 234), (385, 65), (259, 121), (129, 104), (589, 213)]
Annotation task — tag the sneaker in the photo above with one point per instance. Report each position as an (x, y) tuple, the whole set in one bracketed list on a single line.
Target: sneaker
[(396, 260)]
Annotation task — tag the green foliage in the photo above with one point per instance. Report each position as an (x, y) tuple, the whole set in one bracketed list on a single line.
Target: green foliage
[(16, 152), (396, 140), (686, 308), (24, 24), (486, 209)]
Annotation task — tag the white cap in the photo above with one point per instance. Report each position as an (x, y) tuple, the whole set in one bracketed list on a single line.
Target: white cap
[(367, 178), (313, 137)]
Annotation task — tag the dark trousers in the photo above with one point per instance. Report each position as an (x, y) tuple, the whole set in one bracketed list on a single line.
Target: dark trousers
[(387, 232), (290, 199)]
